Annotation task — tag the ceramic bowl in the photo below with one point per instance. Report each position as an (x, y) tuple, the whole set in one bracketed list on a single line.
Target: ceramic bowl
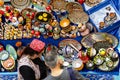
[(4, 55)]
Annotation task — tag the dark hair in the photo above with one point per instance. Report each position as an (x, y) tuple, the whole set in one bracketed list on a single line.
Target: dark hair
[(20, 51), (21, 48), (30, 51), (51, 57)]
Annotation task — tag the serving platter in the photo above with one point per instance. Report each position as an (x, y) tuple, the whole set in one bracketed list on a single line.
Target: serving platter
[(104, 67), (9, 64), (70, 41), (58, 4), (92, 3), (20, 4), (92, 38), (43, 17), (76, 13), (12, 51), (104, 59), (69, 49), (77, 17), (28, 13), (74, 6)]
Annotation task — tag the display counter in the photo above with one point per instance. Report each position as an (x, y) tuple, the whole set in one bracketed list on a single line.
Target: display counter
[(95, 74), (114, 74)]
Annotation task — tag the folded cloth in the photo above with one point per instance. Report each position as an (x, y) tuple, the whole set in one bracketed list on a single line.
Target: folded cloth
[(37, 45)]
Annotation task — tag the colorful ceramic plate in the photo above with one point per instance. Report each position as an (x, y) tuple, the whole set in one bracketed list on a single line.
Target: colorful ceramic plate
[(102, 45), (104, 66), (92, 3), (21, 4), (58, 4), (71, 6), (75, 43), (12, 51), (28, 13), (4, 55), (91, 39), (9, 64), (44, 17), (77, 17)]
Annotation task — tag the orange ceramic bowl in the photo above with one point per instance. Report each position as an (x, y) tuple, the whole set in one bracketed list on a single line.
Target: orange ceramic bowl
[(8, 64)]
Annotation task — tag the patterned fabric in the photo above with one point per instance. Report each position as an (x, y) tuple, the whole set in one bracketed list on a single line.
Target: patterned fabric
[(37, 45), (117, 4), (26, 61)]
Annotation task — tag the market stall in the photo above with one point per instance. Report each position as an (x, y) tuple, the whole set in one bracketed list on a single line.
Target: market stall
[(85, 32)]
